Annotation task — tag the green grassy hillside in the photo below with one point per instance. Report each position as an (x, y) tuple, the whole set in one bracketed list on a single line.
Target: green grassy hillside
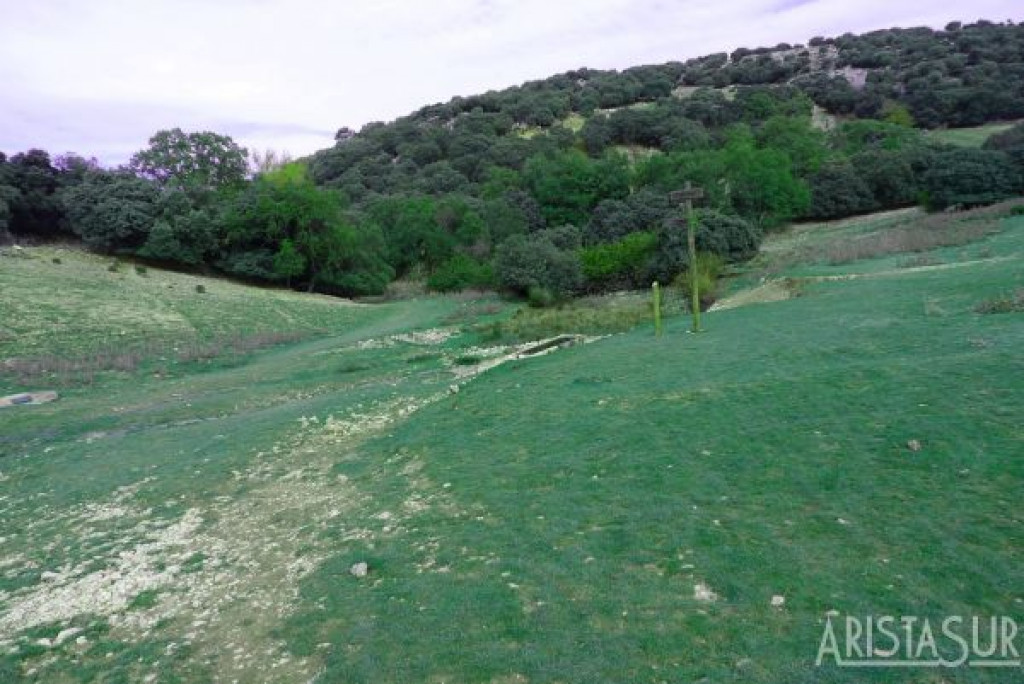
[(623, 510), (66, 301), (969, 137)]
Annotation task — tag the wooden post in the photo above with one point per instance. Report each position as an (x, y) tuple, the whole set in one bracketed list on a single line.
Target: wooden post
[(685, 197), (657, 308)]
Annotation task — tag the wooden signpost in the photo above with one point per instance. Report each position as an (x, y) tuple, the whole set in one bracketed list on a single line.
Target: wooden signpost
[(685, 198)]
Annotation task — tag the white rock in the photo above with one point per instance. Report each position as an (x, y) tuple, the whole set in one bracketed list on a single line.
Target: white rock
[(66, 634), (359, 569), (778, 601), (703, 593)]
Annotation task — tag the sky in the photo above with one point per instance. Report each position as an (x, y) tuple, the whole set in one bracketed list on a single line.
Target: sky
[(99, 77)]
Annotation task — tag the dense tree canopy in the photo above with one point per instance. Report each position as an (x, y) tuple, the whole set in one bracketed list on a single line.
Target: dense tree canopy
[(202, 160), (562, 185)]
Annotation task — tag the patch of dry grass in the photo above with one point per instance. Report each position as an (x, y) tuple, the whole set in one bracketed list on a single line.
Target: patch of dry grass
[(928, 233), (68, 370), (1012, 302)]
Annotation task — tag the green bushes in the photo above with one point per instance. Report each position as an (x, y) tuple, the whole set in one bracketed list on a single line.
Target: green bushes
[(729, 237), (837, 190), (970, 178), (523, 263), (619, 264), (709, 268), (462, 272)]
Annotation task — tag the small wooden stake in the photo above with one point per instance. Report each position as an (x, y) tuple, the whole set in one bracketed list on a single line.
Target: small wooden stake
[(657, 308)]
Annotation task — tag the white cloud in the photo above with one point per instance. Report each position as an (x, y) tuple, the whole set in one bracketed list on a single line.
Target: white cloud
[(101, 76)]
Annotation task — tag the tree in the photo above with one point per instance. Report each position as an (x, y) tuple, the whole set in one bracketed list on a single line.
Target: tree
[(199, 161), (35, 208), (182, 233), (969, 177), (523, 263), (8, 195), (288, 263), (803, 144), (112, 212), (837, 191), (283, 227), (569, 184), (268, 160)]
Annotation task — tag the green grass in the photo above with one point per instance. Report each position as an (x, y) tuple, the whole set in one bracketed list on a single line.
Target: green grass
[(545, 521), (586, 493), (600, 315), (80, 307), (969, 137)]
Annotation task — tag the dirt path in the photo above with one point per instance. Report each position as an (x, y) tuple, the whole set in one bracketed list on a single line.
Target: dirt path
[(224, 574)]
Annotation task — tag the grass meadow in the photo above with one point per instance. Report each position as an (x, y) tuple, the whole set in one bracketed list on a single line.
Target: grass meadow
[(626, 510)]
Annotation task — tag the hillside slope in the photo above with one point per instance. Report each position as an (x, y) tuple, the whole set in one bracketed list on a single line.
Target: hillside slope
[(625, 510)]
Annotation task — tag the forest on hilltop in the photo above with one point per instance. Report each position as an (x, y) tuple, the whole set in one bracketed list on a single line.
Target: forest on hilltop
[(560, 186)]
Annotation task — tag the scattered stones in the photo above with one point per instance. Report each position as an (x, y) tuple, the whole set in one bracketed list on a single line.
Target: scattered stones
[(703, 593), (359, 569), (914, 445)]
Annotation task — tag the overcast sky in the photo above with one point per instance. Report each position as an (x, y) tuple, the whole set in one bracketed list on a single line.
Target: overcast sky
[(99, 77)]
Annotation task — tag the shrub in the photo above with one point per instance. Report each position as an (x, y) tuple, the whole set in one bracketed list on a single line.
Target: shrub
[(522, 263), (837, 191), (730, 237), (620, 264), (461, 272), (709, 268), (1008, 303), (141, 270), (114, 266), (969, 178), (56, 260), (540, 297), (200, 289)]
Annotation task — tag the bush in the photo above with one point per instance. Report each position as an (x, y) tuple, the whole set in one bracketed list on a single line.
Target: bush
[(540, 297), (969, 178), (837, 191), (200, 289), (142, 271), (709, 268), (56, 260), (461, 272), (1008, 303), (621, 264), (522, 263), (730, 237)]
